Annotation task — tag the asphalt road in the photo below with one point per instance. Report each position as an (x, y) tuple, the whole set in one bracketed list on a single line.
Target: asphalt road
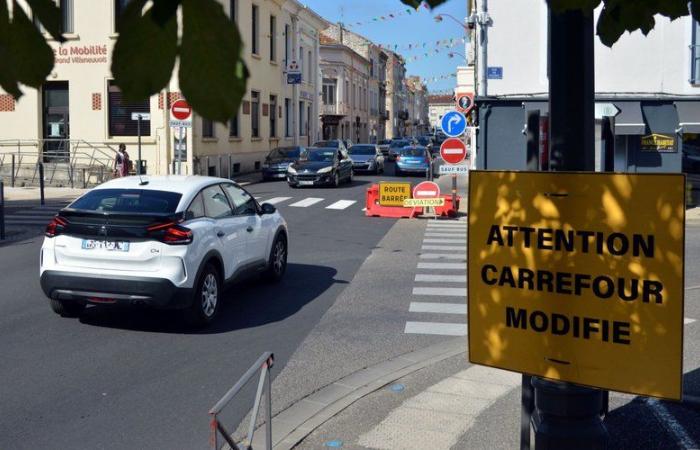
[(139, 379)]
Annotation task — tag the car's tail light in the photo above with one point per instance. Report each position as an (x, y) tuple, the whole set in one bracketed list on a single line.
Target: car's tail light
[(398, 157), (171, 233), (55, 227)]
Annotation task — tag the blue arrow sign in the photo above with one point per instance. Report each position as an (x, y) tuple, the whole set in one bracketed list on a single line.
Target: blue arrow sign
[(453, 124)]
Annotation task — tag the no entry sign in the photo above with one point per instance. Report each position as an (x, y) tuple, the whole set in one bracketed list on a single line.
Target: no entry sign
[(426, 189), (453, 151), (181, 110)]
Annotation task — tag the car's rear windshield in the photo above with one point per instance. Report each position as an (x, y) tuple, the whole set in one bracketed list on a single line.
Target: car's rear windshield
[(412, 151), (362, 150), (398, 143), (285, 152), (384, 142), (128, 200)]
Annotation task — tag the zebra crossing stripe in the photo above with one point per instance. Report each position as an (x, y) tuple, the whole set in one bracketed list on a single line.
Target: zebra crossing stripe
[(274, 201), (437, 328), (306, 202), (444, 235), (444, 241), (447, 266), (440, 291), (447, 248), (462, 256), (438, 308), (430, 278), (448, 226), (341, 204)]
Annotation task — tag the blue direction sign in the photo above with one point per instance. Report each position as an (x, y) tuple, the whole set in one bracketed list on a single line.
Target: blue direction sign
[(453, 124)]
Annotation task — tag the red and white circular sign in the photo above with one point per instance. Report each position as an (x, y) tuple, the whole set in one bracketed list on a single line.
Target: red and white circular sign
[(181, 110), (453, 151), (426, 189)]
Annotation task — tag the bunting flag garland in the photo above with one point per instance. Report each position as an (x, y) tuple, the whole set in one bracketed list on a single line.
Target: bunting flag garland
[(394, 15), (444, 43), (437, 78)]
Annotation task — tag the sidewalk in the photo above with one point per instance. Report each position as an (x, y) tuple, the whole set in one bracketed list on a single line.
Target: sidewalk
[(27, 194)]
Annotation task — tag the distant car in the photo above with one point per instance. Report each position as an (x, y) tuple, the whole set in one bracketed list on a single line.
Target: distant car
[(277, 161), (384, 147), (413, 159), (348, 143), (336, 143), (169, 242), (395, 146), (366, 157), (320, 167), (426, 142)]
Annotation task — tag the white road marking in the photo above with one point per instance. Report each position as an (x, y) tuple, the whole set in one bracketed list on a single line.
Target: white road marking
[(437, 328), (429, 278), (462, 256), (430, 234), (274, 201), (688, 321), (673, 427), (438, 308), (440, 291), (306, 202), (461, 226), (341, 204), (448, 248), (448, 266), (444, 241)]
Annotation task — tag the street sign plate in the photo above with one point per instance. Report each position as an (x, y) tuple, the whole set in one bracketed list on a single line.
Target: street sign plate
[(578, 277), (180, 123), (293, 78), (448, 169), (423, 202), (393, 194), (605, 109), (180, 110), (453, 151), (453, 124), (465, 102), (494, 73), (426, 189), (144, 116)]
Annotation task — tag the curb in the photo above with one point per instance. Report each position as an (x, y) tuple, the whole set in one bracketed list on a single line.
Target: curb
[(292, 425)]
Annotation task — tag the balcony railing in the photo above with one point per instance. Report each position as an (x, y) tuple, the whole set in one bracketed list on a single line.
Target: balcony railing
[(336, 110)]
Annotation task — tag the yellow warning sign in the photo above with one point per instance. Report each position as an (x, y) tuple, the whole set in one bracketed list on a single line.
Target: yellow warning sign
[(393, 194), (579, 277), (425, 202)]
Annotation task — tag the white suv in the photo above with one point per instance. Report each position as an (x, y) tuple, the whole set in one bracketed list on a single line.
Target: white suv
[(166, 242)]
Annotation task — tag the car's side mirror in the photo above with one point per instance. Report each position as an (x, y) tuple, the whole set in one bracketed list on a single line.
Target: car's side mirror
[(267, 208)]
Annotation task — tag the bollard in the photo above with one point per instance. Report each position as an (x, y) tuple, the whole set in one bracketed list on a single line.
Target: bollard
[(2, 210), (12, 177), (84, 180), (41, 182)]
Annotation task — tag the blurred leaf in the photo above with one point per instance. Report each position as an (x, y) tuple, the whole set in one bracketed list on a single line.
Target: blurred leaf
[(164, 10), (416, 3), (144, 55), (673, 9), (695, 9), (32, 57), (568, 5), (49, 15), (8, 79), (212, 74)]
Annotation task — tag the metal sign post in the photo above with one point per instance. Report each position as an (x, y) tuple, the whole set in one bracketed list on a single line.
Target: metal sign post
[(2, 209), (181, 118), (138, 117), (178, 152)]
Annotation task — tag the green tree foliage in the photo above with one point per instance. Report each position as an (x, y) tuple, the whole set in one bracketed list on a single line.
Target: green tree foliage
[(212, 74)]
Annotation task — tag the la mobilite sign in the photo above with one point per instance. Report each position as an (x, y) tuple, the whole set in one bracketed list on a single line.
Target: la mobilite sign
[(579, 277)]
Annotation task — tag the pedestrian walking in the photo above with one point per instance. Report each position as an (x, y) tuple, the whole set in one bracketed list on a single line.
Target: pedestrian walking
[(122, 162)]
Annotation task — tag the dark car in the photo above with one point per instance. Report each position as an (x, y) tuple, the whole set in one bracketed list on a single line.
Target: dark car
[(426, 142), (413, 159), (395, 146), (335, 143), (320, 167), (277, 162), (366, 157)]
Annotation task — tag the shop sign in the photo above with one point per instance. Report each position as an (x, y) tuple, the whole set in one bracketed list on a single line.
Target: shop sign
[(578, 277), (81, 54), (662, 143)]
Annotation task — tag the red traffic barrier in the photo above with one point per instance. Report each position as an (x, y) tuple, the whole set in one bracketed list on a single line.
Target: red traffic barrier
[(374, 209), (448, 210)]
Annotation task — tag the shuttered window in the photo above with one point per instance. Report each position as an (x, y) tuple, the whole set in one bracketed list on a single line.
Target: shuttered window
[(120, 123)]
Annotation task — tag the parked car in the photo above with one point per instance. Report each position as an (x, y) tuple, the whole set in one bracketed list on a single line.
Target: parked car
[(336, 143), (320, 167), (366, 157), (277, 161), (169, 242), (384, 147), (413, 159), (395, 146)]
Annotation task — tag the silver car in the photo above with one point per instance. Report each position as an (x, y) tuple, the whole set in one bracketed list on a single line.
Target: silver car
[(366, 158)]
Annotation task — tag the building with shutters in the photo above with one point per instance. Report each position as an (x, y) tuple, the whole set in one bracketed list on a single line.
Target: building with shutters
[(77, 119)]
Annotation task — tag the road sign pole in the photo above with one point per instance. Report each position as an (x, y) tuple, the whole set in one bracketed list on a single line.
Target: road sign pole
[(454, 191), (138, 132), (567, 415), (178, 152)]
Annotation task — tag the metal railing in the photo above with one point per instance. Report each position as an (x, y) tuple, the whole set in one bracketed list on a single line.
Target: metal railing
[(263, 364)]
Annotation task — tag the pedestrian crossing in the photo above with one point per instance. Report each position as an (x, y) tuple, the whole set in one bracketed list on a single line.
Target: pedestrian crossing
[(440, 283), (33, 216), (308, 202)]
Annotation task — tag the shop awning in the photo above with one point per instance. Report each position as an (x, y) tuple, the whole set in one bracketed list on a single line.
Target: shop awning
[(689, 116), (630, 120)]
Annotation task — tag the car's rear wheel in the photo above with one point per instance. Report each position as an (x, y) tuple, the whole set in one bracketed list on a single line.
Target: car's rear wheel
[(277, 264), (66, 308), (207, 298)]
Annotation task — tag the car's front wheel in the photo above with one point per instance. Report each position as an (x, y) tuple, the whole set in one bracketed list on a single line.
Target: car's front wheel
[(66, 308), (277, 264), (207, 298)]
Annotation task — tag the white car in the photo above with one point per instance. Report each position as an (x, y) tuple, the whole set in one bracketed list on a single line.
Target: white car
[(166, 242)]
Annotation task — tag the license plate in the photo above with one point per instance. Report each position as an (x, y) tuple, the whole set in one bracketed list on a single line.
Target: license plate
[(111, 246), (306, 183)]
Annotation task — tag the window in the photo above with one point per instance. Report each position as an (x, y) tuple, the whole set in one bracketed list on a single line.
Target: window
[(309, 73), (233, 127), (301, 119), (66, 7), (345, 92), (119, 7), (255, 114), (254, 31), (207, 128), (243, 203), (120, 123), (273, 116), (287, 117), (273, 38), (301, 63), (695, 54), (196, 209), (233, 10), (128, 200), (328, 91), (354, 95), (308, 118), (216, 204), (371, 67), (287, 41)]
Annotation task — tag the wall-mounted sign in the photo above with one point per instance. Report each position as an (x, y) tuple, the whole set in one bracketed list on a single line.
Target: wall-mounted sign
[(80, 54), (494, 73), (293, 73), (578, 277), (662, 143)]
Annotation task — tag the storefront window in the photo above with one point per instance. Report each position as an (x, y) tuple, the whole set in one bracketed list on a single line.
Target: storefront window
[(120, 123), (273, 116), (119, 7), (255, 114)]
